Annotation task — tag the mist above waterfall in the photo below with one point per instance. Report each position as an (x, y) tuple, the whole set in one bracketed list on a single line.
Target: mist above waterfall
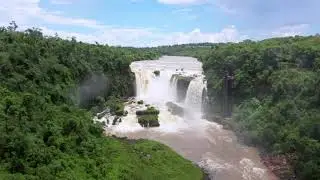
[(178, 76), (179, 92), (92, 86)]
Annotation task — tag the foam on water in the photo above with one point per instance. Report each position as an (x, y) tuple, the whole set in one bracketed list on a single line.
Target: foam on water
[(197, 139), (250, 171), (158, 90)]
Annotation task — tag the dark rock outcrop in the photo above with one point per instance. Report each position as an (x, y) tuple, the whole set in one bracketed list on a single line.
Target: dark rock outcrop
[(103, 113), (182, 85), (175, 109), (148, 117), (157, 73), (148, 121), (225, 122), (116, 120)]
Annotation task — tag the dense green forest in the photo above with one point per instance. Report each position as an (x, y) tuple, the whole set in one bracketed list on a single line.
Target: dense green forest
[(275, 93), (49, 88)]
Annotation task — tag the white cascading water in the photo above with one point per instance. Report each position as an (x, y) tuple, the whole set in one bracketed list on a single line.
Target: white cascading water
[(143, 78), (193, 100), (174, 87), (194, 93), (197, 139), (151, 88)]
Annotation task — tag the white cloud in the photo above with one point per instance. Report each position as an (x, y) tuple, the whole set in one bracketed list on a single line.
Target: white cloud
[(28, 13), (149, 37), (229, 34), (290, 30)]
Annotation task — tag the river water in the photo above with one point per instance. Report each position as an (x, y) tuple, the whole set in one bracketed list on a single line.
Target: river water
[(203, 142)]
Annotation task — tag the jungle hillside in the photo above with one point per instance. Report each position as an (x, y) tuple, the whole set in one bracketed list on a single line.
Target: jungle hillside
[(50, 89)]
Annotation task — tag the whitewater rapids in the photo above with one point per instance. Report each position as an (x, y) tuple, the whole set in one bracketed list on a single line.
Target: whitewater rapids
[(203, 142)]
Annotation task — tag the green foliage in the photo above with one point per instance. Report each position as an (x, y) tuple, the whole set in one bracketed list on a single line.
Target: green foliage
[(47, 86), (276, 95), (148, 120), (116, 106), (148, 117), (149, 111)]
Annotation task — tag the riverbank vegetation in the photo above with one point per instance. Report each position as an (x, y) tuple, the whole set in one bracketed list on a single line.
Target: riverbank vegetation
[(47, 87), (275, 94)]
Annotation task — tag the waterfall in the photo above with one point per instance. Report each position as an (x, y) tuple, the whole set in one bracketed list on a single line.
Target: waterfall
[(194, 93), (170, 86), (149, 87), (180, 98), (174, 87), (143, 80)]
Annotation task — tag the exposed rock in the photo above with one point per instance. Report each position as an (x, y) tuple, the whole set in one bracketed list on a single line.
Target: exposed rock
[(154, 123), (148, 121), (225, 122), (182, 85), (148, 117), (148, 111), (175, 109), (132, 85), (157, 73), (140, 102), (103, 113), (116, 120)]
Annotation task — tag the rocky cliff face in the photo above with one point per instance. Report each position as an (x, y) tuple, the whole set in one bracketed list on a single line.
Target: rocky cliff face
[(182, 84), (175, 109)]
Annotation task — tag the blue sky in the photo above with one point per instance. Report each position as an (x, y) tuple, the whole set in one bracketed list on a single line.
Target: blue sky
[(160, 22)]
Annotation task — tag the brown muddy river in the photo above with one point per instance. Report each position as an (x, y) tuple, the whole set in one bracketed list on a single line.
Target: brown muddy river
[(197, 139)]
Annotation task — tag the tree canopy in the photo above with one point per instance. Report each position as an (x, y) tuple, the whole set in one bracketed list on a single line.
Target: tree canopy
[(48, 87), (275, 93)]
